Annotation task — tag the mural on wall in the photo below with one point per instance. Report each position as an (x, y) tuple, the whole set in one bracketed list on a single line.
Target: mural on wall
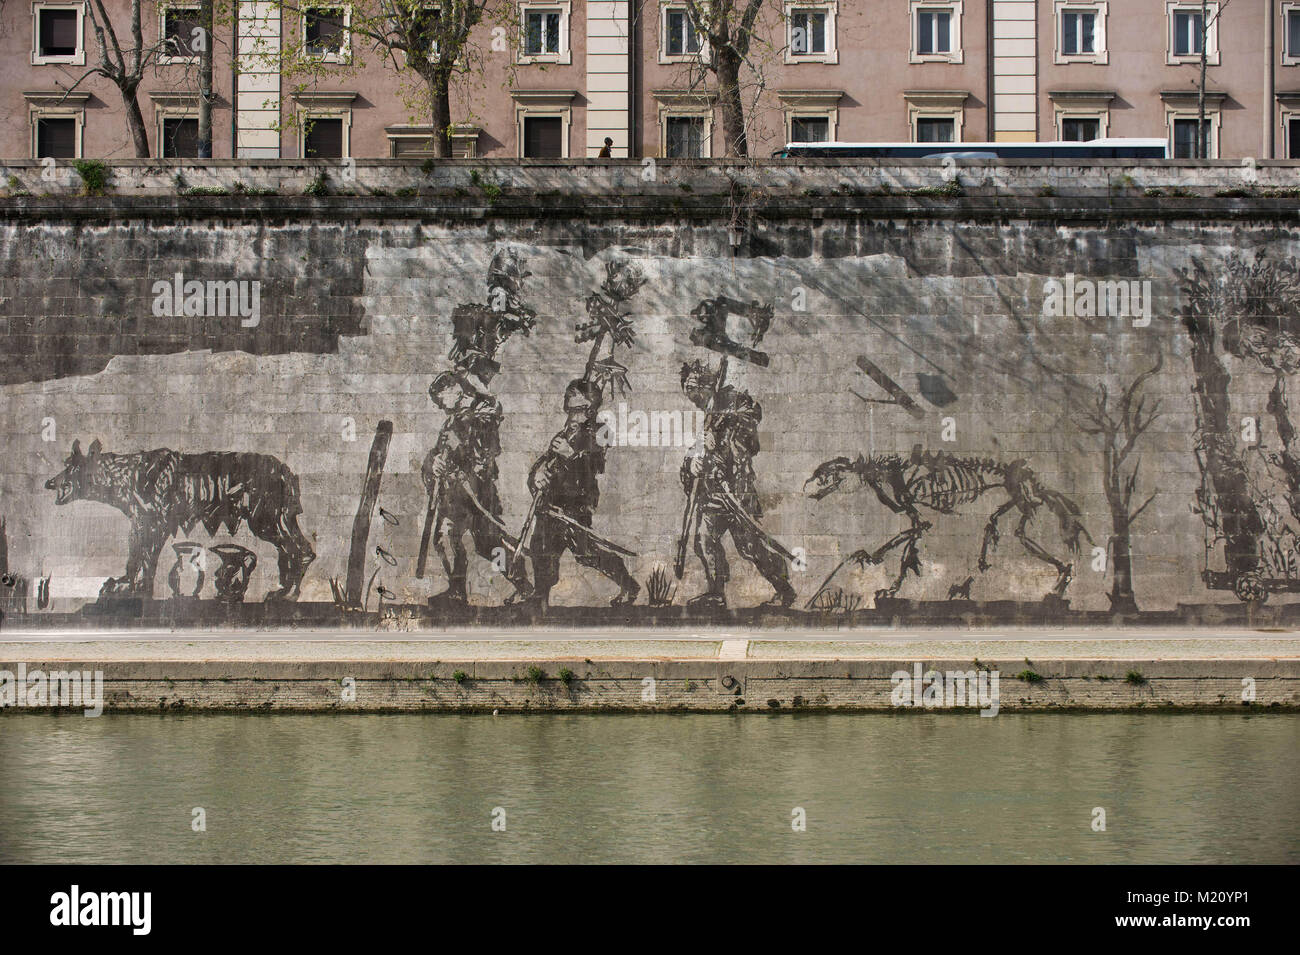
[(1246, 315), (565, 481), (943, 482), (623, 431), (718, 476), (163, 492)]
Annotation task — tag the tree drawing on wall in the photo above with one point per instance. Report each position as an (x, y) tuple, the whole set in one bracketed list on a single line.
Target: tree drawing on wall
[(1120, 427), (1248, 308)]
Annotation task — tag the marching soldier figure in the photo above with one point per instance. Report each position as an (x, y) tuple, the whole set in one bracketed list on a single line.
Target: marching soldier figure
[(564, 483), (728, 501), (478, 331), (460, 474)]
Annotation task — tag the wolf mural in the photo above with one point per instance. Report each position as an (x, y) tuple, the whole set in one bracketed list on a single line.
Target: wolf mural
[(163, 491)]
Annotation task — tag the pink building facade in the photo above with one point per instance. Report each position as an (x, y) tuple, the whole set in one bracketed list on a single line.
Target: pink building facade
[(556, 78)]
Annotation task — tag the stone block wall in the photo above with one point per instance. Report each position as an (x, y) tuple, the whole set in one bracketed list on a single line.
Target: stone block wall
[(1107, 387)]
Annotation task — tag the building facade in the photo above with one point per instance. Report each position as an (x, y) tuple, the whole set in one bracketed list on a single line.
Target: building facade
[(556, 78)]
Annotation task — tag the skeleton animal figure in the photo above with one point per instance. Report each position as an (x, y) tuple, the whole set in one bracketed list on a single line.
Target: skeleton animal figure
[(943, 482)]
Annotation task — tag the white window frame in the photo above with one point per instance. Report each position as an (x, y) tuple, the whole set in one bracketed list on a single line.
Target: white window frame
[(811, 104), (308, 114), (565, 54), (343, 56), (172, 106), (1101, 116), (706, 134), (1289, 57), (955, 55), (1288, 115), (828, 7), (676, 6), (78, 58), (322, 104), (1100, 11), (1212, 116), (433, 54), (48, 106), (936, 104), (1211, 38), (685, 104), (541, 104), (163, 10), (1081, 104)]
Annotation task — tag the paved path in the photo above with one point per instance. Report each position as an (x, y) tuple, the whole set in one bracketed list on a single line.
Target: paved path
[(1003, 643)]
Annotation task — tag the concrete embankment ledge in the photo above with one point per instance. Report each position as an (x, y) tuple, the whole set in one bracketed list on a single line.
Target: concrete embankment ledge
[(1228, 671)]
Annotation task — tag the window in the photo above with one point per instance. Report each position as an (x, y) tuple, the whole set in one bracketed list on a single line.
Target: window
[(936, 116), (423, 30), (543, 119), (685, 137), (681, 38), (1189, 30), (1185, 144), (810, 32), (811, 116), (936, 31), (325, 32), (56, 34), (180, 138), (178, 26), (807, 32), (56, 138), (810, 129), (323, 139), (1081, 115), (1290, 34), (1081, 31), (544, 32), (685, 123), (1293, 138), (1080, 130), (1078, 33), (1181, 116), (543, 137), (935, 130), (933, 32)]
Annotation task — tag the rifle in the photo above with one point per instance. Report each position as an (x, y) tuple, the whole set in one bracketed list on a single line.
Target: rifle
[(526, 535), (431, 513), (693, 499), (430, 522)]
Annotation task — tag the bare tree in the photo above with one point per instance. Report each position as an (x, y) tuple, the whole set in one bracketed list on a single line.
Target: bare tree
[(729, 26), (1120, 430), (1202, 134), (416, 37), (123, 66)]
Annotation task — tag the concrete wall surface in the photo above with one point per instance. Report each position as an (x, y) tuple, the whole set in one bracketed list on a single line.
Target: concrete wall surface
[(935, 407)]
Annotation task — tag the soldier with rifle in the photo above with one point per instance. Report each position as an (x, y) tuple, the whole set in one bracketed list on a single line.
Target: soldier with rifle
[(460, 474), (565, 487), (718, 477)]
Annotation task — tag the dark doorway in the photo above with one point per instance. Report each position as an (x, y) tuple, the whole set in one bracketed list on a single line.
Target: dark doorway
[(543, 137), (324, 140)]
